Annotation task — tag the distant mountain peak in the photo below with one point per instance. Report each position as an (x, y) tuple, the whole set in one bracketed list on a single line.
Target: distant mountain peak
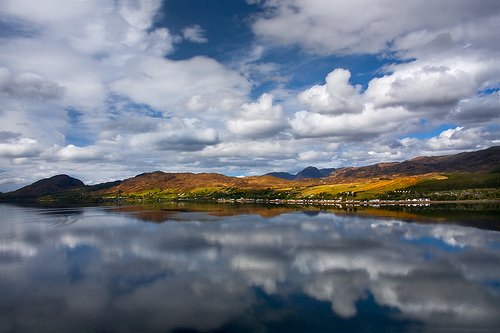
[(308, 172)]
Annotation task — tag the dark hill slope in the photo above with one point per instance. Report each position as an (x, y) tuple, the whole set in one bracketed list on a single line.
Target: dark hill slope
[(46, 186), (485, 160), (282, 175)]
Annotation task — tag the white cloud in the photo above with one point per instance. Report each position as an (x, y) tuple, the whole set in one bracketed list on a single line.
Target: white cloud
[(139, 13), (258, 119), (177, 135), (360, 126), (164, 84), (28, 85), (24, 147), (313, 155), (53, 61), (362, 26), (337, 96), (194, 34), (218, 102), (96, 41), (82, 154), (51, 11), (417, 85), (251, 149)]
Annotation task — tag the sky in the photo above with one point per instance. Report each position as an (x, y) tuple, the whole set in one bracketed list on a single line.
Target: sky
[(107, 89)]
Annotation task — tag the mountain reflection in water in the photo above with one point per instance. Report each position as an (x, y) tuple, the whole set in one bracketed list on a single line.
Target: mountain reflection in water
[(266, 270)]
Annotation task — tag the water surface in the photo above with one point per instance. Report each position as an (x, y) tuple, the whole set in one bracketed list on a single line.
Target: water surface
[(246, 269)]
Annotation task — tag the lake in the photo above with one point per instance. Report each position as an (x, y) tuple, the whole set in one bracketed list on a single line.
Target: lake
[(243, 268)]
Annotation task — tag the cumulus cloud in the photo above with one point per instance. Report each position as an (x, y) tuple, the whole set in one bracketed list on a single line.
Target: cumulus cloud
[(258, 119), (447, 63), (337, 96), (393, 101), (424, 86), (195, 34)]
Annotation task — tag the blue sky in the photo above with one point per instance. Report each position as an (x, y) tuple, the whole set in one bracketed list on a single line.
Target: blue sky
[(105, 90)]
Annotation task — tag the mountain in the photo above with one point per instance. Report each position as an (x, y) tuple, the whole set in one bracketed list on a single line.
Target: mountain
[(326, 171), (309, 172), (46, 186), (282, 175), (181, 181), (486, 160), (186, 182)]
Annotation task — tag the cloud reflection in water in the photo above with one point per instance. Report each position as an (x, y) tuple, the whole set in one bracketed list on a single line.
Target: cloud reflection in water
[(111, 272)]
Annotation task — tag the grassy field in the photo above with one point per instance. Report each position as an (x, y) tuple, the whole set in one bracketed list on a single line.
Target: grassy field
[(454, 186), (439, 186), (364, 189), (458, 181)]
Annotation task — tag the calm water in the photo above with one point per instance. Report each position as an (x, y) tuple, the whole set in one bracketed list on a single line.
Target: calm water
[(246, 269)]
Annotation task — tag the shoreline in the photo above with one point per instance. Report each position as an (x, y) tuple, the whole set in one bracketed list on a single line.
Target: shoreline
[(297, 202), (367, 203)]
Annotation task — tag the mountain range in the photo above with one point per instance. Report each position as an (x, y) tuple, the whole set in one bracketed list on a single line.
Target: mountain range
[(483, 168)]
